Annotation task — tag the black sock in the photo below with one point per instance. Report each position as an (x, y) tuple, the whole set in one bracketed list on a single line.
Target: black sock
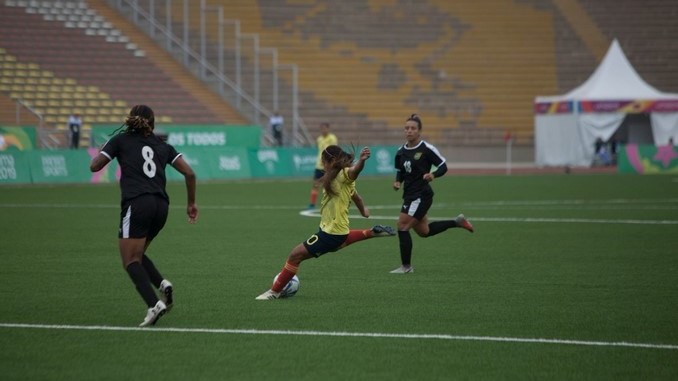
[(140, 278), (153, 273), (405, 240), (440, 226)]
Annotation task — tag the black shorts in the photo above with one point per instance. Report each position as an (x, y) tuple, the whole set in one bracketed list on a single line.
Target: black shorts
[(321, 243), (143, 217), (418, 207), (318, 173)]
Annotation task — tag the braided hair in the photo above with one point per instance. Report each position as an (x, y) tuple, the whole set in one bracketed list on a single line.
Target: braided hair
[(337, 159), (139, 120)]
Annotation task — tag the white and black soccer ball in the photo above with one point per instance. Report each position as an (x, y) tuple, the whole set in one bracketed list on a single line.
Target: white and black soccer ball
[(290, 289)]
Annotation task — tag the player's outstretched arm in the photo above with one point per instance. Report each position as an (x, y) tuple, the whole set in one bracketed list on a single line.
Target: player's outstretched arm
[(355, 170)]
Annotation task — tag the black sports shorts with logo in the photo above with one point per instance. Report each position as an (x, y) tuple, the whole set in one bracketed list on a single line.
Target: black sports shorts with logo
[(143, 216), (417, 207), (321, 243)]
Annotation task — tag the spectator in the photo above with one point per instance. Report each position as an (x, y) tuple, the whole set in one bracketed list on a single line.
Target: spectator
[(74, 126), (276, 124)]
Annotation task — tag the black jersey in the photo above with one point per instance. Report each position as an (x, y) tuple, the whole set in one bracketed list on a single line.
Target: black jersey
[(142, 160), (412, 164)]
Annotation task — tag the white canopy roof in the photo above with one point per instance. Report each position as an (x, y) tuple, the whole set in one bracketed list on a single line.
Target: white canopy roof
[(614, 79)]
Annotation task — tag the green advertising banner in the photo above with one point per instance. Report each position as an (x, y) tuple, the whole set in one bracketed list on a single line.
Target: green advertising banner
[(14, 168), (60, 166), (647, 159), (270, 162), (186, 136), (302, 161), (214, 163), (17, 138), (209, 163), (381, 162)]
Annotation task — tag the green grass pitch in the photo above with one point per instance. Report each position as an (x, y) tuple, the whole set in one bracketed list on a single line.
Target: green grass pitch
[(566, 277)]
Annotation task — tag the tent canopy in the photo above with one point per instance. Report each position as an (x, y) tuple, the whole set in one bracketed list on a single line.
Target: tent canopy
[(566, 126)]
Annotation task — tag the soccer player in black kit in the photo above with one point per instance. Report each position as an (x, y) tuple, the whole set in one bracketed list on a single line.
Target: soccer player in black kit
[(413, 163), (142, 157)]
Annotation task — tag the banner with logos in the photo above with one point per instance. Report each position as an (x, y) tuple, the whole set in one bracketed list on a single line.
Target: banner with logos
[(186, 136), (209, 163), (14, 168)]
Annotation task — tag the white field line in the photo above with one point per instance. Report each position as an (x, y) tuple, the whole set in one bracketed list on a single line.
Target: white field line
[(344, 334), (622, 204)]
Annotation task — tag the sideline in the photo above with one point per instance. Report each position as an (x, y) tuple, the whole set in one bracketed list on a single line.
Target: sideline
[(345, 334)]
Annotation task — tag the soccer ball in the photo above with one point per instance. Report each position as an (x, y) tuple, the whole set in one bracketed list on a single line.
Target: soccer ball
[(290, 289)]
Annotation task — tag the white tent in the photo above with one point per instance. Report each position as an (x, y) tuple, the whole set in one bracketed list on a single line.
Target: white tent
[(567, 126)]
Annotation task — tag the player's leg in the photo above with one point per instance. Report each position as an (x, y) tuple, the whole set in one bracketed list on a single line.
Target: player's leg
[(298, 254), (357, 235), (317, 174), (136, 219), (440, 226), (163, 285), (413, 212), (315, 246)]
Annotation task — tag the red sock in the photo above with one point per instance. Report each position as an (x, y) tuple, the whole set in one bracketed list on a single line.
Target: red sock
[(314, 196), (357, 235), (284, 277)]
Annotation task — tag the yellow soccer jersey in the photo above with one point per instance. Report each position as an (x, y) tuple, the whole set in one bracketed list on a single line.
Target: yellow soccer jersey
[(324, 142), (334, 210)]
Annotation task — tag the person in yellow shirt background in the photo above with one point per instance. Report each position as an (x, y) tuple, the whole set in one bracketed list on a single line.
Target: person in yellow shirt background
[(325, 140)]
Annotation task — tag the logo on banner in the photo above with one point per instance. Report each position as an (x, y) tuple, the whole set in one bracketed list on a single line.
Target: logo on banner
[(304, 163), (384, 161), (268, 158), (7, 167), (54, 166), (229, 163)]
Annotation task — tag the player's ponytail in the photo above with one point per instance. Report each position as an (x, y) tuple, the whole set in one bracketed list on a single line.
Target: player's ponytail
[(139, 120), (337, 159)]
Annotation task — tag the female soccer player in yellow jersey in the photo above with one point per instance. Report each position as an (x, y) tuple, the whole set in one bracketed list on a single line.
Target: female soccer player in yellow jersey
[(334, 233)]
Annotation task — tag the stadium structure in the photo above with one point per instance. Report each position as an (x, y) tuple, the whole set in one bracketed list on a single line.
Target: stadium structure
[(470, 69)]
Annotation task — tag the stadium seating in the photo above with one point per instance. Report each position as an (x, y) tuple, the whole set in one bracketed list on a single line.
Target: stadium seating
[(471, 69), (63, 57), (365, 66)]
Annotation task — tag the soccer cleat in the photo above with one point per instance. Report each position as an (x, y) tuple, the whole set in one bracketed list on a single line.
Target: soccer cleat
[(268, 295), (403, 270), (382, 231), (154, 314), (463, 223), (166, 294)]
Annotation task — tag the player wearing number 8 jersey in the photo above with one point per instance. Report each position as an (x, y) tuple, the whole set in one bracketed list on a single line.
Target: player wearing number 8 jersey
[(142, 157)]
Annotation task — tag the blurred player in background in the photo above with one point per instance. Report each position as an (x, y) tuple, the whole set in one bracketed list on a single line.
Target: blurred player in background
[(334, 233), (142, 157), (413, 163), (325, 140)]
